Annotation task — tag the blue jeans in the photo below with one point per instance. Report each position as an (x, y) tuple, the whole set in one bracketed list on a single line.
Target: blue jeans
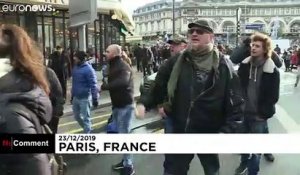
[(82, 113), (169, 162), (253, 160), (168, 125), (124, 117)]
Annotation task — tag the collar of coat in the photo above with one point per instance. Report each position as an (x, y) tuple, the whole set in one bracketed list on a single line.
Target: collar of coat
[(269, 65), (5, 66)]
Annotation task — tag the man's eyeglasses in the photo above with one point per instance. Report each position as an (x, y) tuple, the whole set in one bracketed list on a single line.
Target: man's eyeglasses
[(198, 31)]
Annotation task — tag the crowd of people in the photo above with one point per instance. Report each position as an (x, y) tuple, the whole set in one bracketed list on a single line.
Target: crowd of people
[(196, 90)]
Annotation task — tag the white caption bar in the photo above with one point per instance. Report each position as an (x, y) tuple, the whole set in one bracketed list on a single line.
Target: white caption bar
[(176, 143)]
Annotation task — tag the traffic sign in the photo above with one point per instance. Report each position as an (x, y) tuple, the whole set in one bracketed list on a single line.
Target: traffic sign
[(254, 26)]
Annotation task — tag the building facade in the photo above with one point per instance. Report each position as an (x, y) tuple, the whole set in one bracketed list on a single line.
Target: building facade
[(51, 28), (157, 17)]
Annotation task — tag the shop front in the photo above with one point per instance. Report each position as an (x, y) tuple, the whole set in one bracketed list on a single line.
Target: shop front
[(51, 28)]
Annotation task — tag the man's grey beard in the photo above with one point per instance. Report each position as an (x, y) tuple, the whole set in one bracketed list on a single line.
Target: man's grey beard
[(192, 47), (202, 49)]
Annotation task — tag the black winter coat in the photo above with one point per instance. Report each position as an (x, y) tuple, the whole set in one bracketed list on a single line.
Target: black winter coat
[(56, 93), (120, 83), (217, 109), (15, 90), (268, 94)]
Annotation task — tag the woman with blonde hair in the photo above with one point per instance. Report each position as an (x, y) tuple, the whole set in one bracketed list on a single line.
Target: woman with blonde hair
[(126, 58), (24, 101)]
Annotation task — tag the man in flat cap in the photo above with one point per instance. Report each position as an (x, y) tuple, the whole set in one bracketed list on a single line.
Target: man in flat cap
[(177, 44), (199, 89)]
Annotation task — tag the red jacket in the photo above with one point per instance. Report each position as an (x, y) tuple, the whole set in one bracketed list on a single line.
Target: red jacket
[(294, 59)]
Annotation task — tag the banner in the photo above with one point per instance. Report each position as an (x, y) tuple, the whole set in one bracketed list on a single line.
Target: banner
[(176, 143), (150, 143)]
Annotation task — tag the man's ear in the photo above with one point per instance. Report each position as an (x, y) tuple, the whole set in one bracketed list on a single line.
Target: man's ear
[(212, 37)]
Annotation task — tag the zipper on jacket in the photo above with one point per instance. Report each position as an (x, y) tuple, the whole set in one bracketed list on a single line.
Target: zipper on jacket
[(188, 120)]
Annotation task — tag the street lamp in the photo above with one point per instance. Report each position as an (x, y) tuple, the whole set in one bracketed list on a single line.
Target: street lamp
[(245, 19), (238, 18)]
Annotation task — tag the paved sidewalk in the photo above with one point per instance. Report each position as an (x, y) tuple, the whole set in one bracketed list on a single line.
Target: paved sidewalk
[(104, 95)]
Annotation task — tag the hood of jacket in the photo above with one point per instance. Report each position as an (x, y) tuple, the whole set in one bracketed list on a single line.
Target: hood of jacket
[(14, 88), (268, 66), (35, 100)]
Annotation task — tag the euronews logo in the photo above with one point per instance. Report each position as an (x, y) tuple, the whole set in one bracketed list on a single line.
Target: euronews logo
[(26, 8)]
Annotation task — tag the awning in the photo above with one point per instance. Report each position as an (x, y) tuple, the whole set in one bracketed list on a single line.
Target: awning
[(119, 11)]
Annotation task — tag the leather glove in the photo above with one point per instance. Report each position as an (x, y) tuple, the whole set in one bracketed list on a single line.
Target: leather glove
[(95, 103)]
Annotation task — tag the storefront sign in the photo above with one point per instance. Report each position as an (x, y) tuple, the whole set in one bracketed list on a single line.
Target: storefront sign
[(82, 13)]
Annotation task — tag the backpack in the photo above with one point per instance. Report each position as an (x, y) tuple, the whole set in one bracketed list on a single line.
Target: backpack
[(57, 164)]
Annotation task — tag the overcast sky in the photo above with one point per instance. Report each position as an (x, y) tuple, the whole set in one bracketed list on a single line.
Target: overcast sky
[(134, 4)]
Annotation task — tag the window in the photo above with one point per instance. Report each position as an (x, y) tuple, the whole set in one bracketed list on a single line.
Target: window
[(255, 12), (185, 21), (1, 17), (141, 28), (11, 18), (267, 11), (259, 11), (276, 11), (59, 38), (204, 12), (48, 35), (152, 26), (272, 12), (280, 11), (297, 10), (221, 12), (215, 12), (287, 11), (40, 33), (91, 35)]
